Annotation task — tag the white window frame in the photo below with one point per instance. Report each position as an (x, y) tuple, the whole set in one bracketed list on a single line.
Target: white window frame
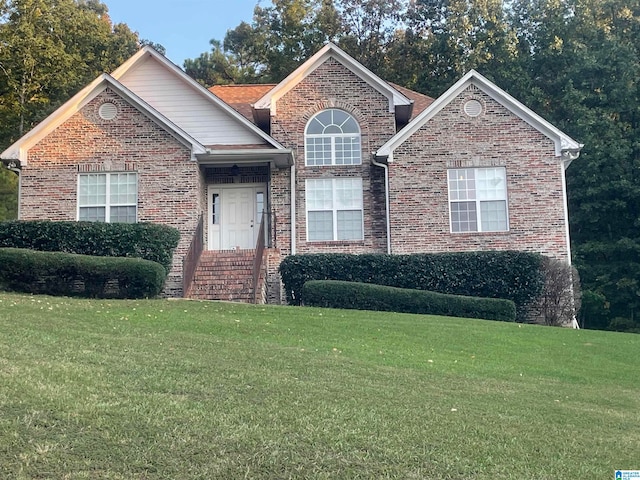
[(332, 137), (108, 203), (335, 208), (472, 195)]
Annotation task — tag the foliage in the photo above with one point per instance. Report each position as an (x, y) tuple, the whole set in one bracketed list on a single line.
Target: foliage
[(148, 241), (515, 276), (8, 194), (366, 296), (157, 389), (67, 274), (561, 297)]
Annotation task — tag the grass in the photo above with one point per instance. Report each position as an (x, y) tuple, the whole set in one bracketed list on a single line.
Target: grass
[(198, 390)]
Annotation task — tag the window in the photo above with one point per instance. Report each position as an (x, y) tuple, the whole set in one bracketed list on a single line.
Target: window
[(332, 137), (108, 197), (478, 199), (334, 209)]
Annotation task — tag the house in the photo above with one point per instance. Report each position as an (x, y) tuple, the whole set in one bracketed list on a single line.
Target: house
[(331, 159)]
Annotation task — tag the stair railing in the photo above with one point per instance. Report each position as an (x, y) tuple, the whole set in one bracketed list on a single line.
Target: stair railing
[(190, 260), (258, 260)]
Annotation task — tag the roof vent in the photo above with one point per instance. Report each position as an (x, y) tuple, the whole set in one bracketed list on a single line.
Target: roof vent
[(108, 111), (473, 108)]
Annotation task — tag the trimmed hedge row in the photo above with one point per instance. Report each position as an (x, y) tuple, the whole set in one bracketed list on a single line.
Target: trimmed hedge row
[(510, 275), (367, 296), (149, 241), (57, 273)]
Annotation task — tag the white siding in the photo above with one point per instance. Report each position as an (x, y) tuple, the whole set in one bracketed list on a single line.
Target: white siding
[(190, 110)]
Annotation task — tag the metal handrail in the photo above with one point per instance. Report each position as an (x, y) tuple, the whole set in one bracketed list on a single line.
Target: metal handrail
[(258, 260), (190, 261)]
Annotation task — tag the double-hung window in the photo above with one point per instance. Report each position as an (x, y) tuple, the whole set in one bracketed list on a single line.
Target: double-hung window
[(478, 199), (334, 209), (108, 197), (332, 137)]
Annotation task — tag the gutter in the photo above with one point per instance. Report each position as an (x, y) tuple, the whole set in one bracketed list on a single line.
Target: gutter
[(386, 200), (293, 209)]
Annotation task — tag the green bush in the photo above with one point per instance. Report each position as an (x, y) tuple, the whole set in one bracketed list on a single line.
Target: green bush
[(509, 275), (367, 296), (149, 241), (57, 273)]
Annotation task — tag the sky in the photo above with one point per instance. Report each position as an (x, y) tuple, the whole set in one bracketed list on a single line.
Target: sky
[(183, 27)]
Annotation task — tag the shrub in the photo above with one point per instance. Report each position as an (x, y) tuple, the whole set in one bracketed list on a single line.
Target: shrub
[(57, 273), (366, 296), (509, 275), (148, 241), (560, 299)]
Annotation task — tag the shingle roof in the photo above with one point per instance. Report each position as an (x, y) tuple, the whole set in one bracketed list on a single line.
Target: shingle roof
[(420, 101), (241, 97)]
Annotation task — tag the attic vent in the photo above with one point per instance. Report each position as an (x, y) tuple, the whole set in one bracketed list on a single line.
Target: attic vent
[(108, 111), (473, 108)]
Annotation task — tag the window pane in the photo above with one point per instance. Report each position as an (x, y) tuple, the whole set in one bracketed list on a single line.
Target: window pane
[(494, 216), (348, 193), (122, 214), (319, 194), (123, 188), (350, 225), (462, 185), (320, 226), (318, 151), (92, 214), (347, 150), (464, 217), (93, 189), (491, 183)]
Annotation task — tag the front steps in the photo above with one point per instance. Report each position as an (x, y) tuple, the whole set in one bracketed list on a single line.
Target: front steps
[(224, 275)]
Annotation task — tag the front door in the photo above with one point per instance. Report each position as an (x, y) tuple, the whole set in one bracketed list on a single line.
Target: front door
[(234, 216)]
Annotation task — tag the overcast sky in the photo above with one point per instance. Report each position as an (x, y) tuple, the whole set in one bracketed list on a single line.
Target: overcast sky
[(183, 27)]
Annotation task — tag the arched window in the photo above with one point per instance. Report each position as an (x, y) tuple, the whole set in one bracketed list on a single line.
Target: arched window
[(332, 137)]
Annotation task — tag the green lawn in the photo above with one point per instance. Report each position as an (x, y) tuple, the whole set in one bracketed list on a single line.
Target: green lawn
[(196, 390)]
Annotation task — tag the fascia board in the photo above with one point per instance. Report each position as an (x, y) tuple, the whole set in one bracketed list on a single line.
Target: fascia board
[(268, 102), (561, 140), (148, 52)]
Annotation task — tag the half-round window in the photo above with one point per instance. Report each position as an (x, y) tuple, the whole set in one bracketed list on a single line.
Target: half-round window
[(332, 137)]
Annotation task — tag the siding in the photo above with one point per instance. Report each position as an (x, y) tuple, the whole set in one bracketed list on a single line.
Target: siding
[(186, 107)]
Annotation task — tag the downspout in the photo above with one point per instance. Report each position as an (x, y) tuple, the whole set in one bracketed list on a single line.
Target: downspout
[(386, 199), (293, 209), (13, 166)]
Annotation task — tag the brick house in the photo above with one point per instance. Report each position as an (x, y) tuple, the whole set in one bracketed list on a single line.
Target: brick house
[(331, 159)]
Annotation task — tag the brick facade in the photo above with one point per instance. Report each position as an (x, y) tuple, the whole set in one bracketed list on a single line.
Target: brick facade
[(168, 180), (451, 139)]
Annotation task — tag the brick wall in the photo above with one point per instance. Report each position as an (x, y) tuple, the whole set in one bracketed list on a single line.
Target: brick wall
[(451, 139), (169, 183), (331, 86)]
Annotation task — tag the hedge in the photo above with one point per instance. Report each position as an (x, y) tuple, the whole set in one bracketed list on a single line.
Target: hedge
[(366, 296), (510, 275), (57, 273), (148, 241)]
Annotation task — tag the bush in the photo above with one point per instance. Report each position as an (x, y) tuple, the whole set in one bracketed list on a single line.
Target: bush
[(57, 273), (148, 241), (366, 296), (560, 299), (509, 275)]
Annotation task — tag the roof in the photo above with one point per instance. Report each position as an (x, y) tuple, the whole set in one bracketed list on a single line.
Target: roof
[(242, 97), (420, 101), (565, 146), (18, 151)]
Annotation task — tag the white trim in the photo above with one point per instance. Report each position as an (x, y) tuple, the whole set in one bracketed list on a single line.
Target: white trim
[(330, 50), (387, 202), (561, 140), (108, 204), (565, 210)]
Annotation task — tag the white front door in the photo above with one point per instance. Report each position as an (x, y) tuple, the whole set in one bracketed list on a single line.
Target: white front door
[(234, 214)]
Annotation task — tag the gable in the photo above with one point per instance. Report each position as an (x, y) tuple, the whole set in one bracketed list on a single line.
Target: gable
[(186, 106)]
